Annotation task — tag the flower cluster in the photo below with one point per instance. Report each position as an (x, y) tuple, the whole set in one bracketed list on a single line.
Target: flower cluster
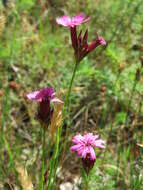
[(80, 42), (84, 147)]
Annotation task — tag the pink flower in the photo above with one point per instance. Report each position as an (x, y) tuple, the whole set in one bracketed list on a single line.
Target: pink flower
[(84, 145), (75, 21), (41, 95), (44, 96), (79, 42)]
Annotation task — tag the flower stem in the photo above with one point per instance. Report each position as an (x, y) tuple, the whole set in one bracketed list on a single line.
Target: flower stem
[(43, 160), (67, 106), (86, 188), (85, 177), (67, 101)]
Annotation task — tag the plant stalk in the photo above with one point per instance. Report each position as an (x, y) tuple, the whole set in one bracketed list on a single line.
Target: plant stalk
[(67, 101), (86, 184), (43, 159), (67, 106)]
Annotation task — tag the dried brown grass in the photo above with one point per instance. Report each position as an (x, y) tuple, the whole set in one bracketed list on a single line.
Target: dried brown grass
[(24, 178), (56, 120), (2, 22)]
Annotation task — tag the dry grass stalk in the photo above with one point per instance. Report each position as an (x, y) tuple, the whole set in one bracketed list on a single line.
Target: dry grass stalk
[(2, 23), (56, 120), (24, 178)]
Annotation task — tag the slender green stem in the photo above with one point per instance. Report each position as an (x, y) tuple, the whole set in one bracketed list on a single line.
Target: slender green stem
[(87, 183), (85, 178), (67, 106), (67, 101), (43, 159)]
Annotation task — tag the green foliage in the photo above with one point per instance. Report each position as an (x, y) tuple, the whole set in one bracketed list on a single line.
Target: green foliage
[(24, 4), (102, 181), (120, 118)]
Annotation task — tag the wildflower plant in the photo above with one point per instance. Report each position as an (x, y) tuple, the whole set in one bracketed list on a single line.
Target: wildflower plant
[(52, 115), (79, 42), (80, 46)]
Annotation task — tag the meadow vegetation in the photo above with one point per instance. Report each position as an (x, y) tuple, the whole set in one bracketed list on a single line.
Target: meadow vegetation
[(106, 95)]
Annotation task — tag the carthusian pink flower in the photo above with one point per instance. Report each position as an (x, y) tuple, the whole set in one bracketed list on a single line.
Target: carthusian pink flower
[(84, 147), (44, 96), (79, 42), (75, 21)]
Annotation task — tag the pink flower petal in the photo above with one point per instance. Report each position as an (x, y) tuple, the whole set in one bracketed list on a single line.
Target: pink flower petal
[(75, 21), (96, 137), (78, 139), (80, 151), (34, 96), (64, 20), (88, 136), (99, 143), (39, 95), (84, 152), (101, 40), (79, 19), (92, 153), (76, 148)]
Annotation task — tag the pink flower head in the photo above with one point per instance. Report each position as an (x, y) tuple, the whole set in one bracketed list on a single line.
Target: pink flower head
[(84, 145), (44, 96), (79, 42), (41, 95), (75, 21)]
